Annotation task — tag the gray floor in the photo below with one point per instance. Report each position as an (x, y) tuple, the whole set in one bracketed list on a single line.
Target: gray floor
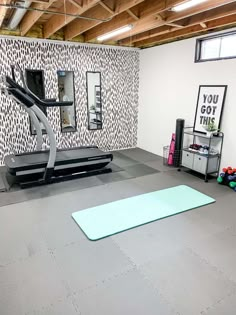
[(181, 265)]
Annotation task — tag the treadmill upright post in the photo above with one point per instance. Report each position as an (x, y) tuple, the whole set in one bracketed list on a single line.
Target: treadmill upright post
[(39, 139), (52, 142)]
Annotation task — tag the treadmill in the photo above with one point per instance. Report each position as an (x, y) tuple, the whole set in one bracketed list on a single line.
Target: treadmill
[(48, 166)]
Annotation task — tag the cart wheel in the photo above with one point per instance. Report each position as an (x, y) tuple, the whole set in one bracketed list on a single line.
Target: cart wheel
[(206, 180), (179, 169)]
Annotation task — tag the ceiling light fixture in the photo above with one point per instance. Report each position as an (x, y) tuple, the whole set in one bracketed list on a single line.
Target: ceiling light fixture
[(115, 32), (187, 5)]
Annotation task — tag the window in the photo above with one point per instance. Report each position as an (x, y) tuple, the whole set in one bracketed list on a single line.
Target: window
[(217, 47)]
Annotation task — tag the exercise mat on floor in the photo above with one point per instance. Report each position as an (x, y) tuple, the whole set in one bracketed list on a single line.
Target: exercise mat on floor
[(111, 218)]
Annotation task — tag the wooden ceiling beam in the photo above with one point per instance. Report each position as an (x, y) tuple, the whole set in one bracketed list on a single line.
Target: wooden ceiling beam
[(205, 6), (148, 34), (117, 22), (148, 18), (151, 18), (56, 22), (40, 1), (174, 25), (78, 27), (200, 19), (135, 17), (178, 18), (77, 3), (225, 10), (32, 17), (187, 31), (106, 7)]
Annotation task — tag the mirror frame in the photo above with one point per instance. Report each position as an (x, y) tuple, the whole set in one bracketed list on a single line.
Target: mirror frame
[(88, 111), (74, 104), (28, 70)]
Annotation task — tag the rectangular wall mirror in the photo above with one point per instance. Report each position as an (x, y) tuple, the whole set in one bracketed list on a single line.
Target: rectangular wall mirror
[(93, 80), (35, 82), (66, 93)]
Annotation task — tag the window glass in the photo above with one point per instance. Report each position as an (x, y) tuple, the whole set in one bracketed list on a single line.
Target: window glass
[(228, 46), (216, 47), (210, 48)]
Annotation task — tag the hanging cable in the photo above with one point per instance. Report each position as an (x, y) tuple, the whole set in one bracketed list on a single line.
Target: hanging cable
[(14, 6)]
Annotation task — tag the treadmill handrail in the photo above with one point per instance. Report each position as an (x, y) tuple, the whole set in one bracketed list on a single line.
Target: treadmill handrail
[(48, 103), (22, 97), (38, 101)]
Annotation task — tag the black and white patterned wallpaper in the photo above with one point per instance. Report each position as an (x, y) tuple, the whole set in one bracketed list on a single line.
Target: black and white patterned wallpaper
[(120, 83)]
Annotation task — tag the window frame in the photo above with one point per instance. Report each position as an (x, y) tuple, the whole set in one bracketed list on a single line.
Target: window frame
[(198, 47)]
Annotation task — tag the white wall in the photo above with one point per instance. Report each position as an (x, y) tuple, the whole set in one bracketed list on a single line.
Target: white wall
[(169, 81)]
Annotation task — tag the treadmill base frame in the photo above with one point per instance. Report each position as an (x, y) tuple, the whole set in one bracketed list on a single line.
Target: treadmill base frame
[(58, 179)]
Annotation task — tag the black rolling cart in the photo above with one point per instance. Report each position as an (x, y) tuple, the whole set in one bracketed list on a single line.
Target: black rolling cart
[(202, 152)]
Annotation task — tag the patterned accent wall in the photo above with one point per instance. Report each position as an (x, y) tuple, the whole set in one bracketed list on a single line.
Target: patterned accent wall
[(120, 83)]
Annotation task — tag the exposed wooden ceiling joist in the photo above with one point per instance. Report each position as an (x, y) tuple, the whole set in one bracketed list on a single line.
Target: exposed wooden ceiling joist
[(32, 17), (147, 19), (203, 7), (57, 22), (106, 7), (77, 3), (135, 17), (78, 27), (177, 18), (188, 31), (219, 12), (153, 21), (196, 20)]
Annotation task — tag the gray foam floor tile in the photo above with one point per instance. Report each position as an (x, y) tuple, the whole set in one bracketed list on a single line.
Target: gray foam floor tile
[(65, 306), (212, 188), (114, 167), (225, 306), (127, 294), (155, 181), (86, 264), (140, 170), (153, 240), (116, 191), (46, 260), (122, 160), (60, 232), (183, 177), (12, 197), (158, 165), (20, 195), (189, 284), (114, 177), (13, 301), (221, 213), (219, 250), (30, 285), (140, 155), (19, 241), (141, 245)]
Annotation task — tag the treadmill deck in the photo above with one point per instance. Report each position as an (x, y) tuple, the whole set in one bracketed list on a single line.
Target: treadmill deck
[(35, 160)]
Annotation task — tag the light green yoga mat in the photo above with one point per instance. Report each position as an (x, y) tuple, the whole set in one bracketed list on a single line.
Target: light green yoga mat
[(118, 216)]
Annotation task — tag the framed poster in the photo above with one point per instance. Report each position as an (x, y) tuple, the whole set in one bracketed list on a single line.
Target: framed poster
[(209, 108)]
